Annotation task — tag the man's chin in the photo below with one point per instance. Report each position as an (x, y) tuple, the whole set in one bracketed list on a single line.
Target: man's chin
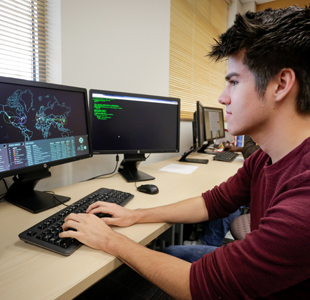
[(231, 130), (234, 131)]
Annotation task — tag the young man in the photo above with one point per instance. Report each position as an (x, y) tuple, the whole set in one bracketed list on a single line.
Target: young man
[(266, 97)]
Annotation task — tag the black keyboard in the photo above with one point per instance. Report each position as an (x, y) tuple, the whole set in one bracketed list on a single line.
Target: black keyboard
[(46, 233), (225, 156)]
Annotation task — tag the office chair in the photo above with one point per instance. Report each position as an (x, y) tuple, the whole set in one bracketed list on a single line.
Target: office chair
[(240, 226)]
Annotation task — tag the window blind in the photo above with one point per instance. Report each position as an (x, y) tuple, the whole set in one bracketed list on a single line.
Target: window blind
[(23, 39), (193, 76)]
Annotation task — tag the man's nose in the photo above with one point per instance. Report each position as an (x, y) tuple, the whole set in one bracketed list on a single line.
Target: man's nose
[(224, 99)]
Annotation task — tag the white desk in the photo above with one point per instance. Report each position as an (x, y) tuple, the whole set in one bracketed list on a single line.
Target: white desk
[(30, 272)]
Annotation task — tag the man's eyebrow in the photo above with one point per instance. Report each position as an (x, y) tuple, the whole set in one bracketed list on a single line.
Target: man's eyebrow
[(228, 76)]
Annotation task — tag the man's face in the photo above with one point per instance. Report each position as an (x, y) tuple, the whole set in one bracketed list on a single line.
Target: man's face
[(246, 112)]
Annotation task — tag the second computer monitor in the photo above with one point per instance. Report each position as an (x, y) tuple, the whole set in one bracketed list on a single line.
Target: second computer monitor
[(134, 124), (214, 123), (199, 134)]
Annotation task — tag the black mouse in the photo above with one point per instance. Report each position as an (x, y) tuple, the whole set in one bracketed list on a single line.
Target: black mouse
[(148, 189)]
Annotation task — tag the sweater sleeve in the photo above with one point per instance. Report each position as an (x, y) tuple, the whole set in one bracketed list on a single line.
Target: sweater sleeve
[(270, 259)]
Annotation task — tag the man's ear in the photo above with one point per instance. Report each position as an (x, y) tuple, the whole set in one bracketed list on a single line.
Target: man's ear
[(285, 81)]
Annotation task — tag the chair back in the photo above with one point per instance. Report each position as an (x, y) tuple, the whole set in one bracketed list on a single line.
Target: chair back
[(240, 226)]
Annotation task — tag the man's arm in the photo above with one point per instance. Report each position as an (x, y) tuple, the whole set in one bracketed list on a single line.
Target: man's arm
[(187, 211), (231, 148), (167, 272)]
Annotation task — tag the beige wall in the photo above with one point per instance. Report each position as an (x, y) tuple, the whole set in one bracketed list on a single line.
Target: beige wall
[(282, 4)]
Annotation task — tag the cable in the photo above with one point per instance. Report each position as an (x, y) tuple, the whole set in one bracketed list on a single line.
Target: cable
[(117, 160), (6, 186), (135, 181), (54, 196), (60, 202), (108, 176)]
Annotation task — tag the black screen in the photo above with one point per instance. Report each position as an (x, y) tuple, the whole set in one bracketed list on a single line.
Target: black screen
[(133, 123), (41, 124)]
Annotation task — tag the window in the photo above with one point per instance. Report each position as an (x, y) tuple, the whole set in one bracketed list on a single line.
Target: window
[(23, 39), (193, 77)]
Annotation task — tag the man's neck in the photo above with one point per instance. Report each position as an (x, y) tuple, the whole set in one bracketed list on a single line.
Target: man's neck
[(278, 141)]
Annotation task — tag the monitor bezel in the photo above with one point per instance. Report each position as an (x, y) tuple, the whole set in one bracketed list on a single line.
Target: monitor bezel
[(136, 151), (201, 136), (47, 165)]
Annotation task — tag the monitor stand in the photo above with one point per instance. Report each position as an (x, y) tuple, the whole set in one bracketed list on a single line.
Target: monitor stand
[(192, 160), (22, 194), (204, 147), (129, 168)]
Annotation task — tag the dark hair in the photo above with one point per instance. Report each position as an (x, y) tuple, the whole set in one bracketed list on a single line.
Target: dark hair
[(273, 40)]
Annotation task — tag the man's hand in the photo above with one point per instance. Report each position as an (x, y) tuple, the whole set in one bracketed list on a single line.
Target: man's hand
[(121, 216), (167, 272), (231, 148), (89, 230)]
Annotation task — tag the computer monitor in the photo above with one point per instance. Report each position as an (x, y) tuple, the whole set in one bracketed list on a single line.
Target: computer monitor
[(133, 125), (42, 125), (199, 136), (214, 124), (209, 124)]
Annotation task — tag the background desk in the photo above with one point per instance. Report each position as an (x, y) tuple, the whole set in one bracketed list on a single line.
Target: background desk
[(30, 272)]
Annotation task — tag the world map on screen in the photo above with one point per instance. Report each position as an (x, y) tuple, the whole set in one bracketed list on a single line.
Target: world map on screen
[(30, 115)]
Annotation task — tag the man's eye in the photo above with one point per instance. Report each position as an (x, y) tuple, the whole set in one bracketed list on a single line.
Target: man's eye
[(233, 82)]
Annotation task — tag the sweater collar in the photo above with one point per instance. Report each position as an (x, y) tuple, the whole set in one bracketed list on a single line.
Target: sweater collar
[(290, 158)]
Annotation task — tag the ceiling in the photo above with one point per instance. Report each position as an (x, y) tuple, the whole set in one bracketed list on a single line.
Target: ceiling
[(257, 1)]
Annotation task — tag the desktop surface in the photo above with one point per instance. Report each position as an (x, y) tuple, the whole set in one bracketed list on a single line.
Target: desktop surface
[(30, 272)]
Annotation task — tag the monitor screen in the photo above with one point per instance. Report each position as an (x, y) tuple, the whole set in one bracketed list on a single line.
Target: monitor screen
[(133, 124), (214, 123), (42, 125)]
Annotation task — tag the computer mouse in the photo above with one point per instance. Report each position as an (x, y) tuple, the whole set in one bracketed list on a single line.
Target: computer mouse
[(148, 189)]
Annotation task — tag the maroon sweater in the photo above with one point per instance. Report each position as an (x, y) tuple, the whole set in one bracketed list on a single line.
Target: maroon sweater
[(273, 261)]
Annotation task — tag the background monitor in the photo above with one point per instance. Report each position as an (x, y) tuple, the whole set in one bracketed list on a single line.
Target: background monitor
[(133, 125), (208, 125), (214, 123), (199, 136), (42, 125), (199, 127)]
